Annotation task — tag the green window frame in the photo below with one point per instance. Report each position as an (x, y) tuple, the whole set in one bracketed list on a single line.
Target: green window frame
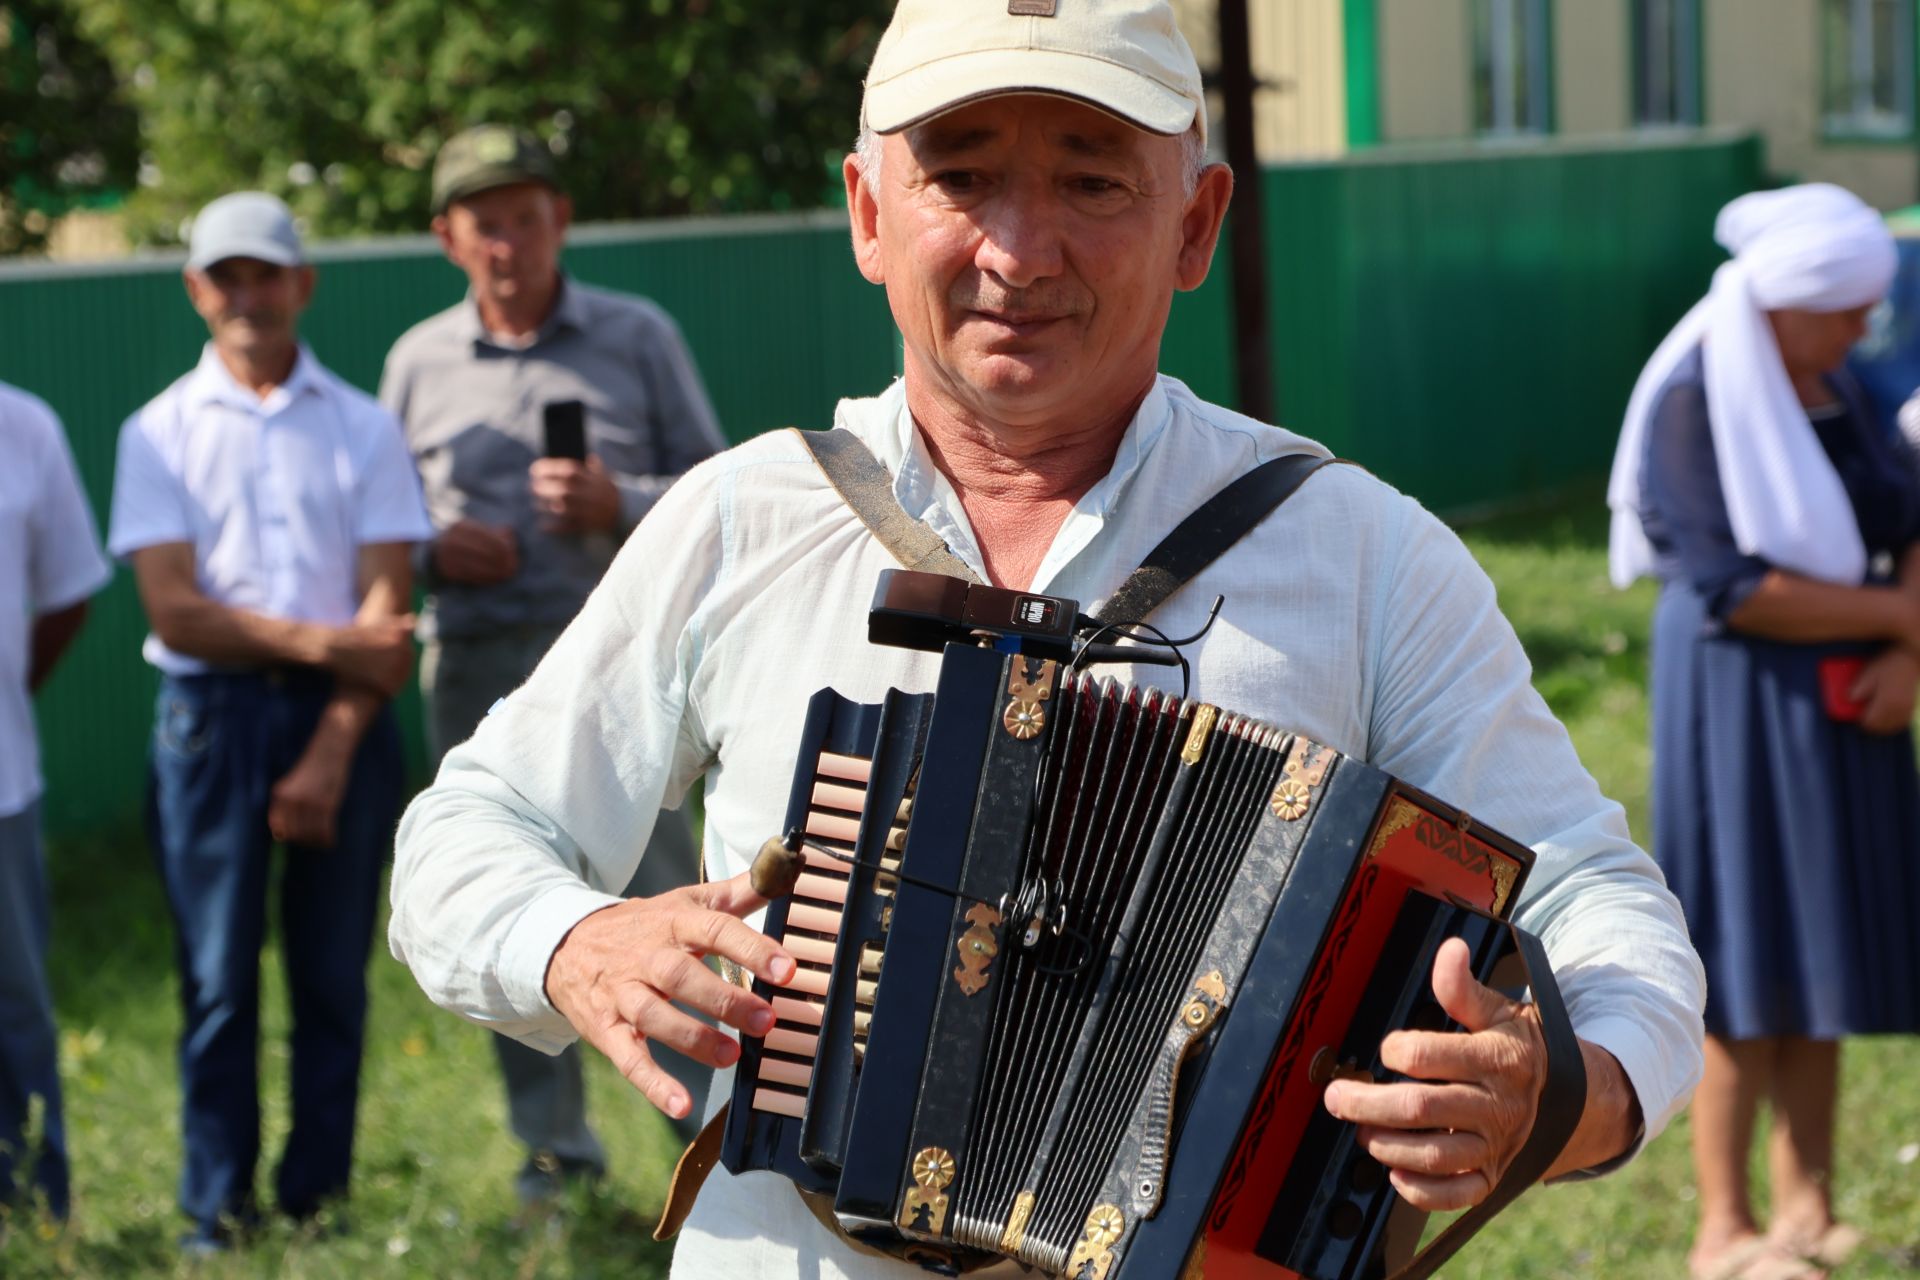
[(1669, 63), (1868, 66), (1512, 67)]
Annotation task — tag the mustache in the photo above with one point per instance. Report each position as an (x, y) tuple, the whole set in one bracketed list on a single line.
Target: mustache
[(1052, 298)]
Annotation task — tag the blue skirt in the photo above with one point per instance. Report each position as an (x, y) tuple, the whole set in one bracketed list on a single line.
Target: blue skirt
[(1792, 840)]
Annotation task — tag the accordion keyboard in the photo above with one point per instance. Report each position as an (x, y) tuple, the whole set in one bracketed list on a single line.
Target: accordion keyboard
[(813, 927)]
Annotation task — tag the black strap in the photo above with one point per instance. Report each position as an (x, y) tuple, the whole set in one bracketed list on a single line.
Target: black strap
[(1203, 537), (867, 486), (1206, 535), (1563, 1100)]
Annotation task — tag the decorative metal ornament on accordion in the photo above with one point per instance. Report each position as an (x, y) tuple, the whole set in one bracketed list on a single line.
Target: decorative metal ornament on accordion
[(1077, 961)]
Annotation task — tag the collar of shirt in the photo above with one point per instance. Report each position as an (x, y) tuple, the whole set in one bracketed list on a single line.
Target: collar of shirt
[(213, 383), (569, 312), (887, 427)]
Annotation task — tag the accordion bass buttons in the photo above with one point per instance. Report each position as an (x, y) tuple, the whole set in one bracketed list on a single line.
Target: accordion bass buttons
[(866, 991)]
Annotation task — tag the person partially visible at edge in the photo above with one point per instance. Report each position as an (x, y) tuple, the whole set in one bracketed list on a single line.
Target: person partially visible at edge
[(269, 511), (1783, 524), (1031, 190), (521, 537), (50, 566)]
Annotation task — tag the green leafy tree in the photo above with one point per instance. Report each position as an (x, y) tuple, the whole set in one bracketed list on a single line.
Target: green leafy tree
[(654, 107), (67, 137)]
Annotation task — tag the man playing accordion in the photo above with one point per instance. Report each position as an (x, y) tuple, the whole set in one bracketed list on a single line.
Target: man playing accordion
[(1031, 188)]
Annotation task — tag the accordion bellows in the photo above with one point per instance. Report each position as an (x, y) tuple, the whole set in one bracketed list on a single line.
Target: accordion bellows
[(1077, 961)]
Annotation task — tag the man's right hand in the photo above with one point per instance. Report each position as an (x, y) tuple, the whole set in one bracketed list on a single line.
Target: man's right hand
[(377, 653), (476, 554), (619, 973)]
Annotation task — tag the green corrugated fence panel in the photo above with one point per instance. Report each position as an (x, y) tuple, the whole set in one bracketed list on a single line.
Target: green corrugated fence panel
[(779, 321), (1466, 324)]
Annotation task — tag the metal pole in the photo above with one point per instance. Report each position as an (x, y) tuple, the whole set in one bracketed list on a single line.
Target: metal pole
[(1251, 327)]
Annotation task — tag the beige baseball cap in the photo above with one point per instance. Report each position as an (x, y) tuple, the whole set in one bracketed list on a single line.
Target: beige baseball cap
[(1126, 57)]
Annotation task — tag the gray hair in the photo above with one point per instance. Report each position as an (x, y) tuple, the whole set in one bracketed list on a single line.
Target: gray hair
[(1193, 155)]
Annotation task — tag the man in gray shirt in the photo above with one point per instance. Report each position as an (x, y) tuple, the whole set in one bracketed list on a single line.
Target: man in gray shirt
[(546, 419)]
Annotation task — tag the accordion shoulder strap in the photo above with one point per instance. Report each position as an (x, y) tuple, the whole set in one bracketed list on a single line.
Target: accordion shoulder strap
[(1563, 1099), (1208, 534), (866, 485)]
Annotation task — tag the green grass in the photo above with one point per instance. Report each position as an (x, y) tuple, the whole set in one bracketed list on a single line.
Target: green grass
[(432, 1193)]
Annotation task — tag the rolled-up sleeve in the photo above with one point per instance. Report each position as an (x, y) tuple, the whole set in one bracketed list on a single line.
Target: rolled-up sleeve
[(541, 817), (1455, 711)]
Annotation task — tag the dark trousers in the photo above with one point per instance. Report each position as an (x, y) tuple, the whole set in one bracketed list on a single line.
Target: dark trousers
[(220, 742), (29, 1073)]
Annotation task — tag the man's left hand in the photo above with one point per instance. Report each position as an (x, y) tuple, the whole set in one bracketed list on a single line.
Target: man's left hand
[(1449, 1132), (306, 802), (575, 497)]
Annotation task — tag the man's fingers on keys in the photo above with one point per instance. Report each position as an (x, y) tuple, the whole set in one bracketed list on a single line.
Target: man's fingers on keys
[(734, 896), (718, 933), (677, 976)]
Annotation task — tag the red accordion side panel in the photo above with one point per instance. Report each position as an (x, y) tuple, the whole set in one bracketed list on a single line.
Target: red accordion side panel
[(1412, 847)]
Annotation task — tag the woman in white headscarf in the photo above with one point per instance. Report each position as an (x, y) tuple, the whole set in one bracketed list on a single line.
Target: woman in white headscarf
[(1783, 525)]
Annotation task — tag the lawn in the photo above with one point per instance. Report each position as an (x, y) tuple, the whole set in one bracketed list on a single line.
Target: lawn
[(432, 1193)]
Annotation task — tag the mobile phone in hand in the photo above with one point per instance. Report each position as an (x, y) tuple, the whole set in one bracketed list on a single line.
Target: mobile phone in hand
[(1837, 678), (565, 422)]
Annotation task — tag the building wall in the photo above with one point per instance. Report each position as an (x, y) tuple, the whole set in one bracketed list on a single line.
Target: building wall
[(1761, 65), (1763, 71), (1299, 61), (1592, 67), (1426, 70)]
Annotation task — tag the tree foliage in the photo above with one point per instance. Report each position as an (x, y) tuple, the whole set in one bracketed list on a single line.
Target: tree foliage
[(654, 107), (67, 137)]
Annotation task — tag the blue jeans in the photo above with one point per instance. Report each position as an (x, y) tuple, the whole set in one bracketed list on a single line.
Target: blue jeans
[(29, 1070), (220, 742)]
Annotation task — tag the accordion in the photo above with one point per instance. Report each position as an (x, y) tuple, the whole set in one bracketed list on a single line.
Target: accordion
[(1077, 960)]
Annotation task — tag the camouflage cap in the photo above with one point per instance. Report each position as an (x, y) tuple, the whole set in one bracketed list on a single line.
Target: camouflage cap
[(488, 156)]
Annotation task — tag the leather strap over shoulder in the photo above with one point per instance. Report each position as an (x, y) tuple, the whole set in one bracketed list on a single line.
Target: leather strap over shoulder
[(867, 486), (1208, 534)]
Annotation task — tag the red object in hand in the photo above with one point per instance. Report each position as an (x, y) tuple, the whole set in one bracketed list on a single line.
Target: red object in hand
[(1837, 677)]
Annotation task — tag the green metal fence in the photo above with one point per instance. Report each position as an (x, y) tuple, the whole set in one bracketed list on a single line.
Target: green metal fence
[(1467, 323)]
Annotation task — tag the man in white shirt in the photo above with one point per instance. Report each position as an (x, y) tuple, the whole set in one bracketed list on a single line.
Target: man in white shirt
[(1031, 190), (50, 564), (269, 512)]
